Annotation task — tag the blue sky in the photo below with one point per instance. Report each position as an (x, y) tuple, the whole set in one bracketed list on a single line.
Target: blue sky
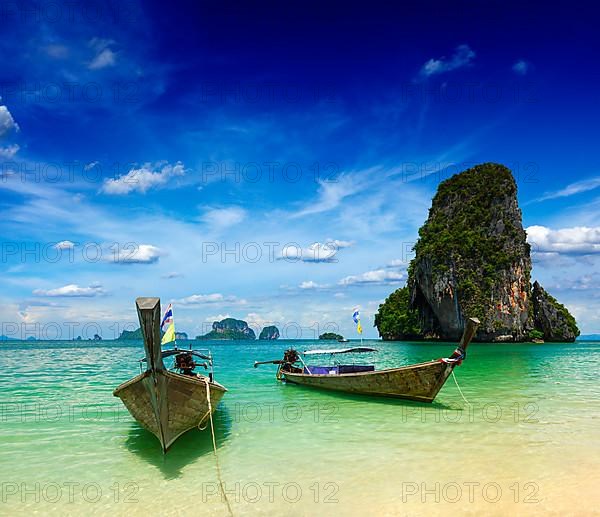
[(274, 162)]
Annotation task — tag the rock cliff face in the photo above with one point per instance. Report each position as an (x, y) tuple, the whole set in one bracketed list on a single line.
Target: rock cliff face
[(270, 332), (471, 260), (229, 328), (552, 318)]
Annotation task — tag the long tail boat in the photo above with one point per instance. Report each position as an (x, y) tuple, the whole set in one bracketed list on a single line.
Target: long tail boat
[(421, 382), (169, 402)]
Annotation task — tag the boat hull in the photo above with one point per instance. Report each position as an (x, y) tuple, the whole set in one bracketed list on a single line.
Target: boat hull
[(167, 403), (420, 382)]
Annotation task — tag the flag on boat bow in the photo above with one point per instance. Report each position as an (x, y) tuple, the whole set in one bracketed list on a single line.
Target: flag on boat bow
[(168, 317), (356, 318), (169, 334)]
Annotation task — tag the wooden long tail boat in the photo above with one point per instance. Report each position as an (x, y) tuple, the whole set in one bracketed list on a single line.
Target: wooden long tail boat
[(168, 402), (420, 382)]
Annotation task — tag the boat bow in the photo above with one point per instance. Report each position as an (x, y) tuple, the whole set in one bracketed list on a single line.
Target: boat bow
[(167, 403)]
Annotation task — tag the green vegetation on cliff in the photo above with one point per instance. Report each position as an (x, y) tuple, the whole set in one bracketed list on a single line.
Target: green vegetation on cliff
[(395, 319), (535, 334), (470, 231), (472, 259), (229, 328), (331, 336)]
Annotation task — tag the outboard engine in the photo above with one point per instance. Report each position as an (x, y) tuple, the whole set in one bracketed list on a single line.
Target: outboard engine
[(185, 363), (290, 356)]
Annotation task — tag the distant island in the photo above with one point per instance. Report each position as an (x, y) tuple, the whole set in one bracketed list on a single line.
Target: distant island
[(270, 332), (130, 334), (137, 334), (331, 336), (7, 338), (472, 259), (229, 329), (33, 338)]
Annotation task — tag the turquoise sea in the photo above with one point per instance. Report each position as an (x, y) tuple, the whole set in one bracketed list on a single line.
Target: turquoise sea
[(528, 442)]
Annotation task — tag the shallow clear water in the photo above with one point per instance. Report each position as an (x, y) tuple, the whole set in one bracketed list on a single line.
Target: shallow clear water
[(527, 444)]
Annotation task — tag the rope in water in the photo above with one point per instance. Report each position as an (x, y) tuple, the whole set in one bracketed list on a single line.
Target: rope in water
[(459, 390), (214, 441)]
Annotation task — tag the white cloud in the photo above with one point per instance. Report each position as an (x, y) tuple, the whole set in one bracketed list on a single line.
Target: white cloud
[(7, 122), (331, 194), (9, 151), (572, 189), (171, 275), (340, 244), (398, 263), (105, 58), (378, 276), (134, 254), (57, 51), (72, 290), (309, 284), (64, 245), (218, 317), (99, 44), (463, 56), (543, 257), (104, 55), (223, 217), (256, 322), (143, 179), (521, 67), (586, 314), (583, 283), (214, 298), (316, 252), (576, 240)]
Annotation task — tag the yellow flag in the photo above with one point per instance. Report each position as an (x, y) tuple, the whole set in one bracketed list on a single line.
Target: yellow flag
[(169, 335), (359, 328)]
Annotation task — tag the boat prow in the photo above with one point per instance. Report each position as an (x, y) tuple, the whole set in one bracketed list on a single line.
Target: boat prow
[(168, 404), (165, 402)]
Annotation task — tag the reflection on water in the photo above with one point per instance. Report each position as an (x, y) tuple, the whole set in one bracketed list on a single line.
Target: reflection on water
[(186, 449)]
